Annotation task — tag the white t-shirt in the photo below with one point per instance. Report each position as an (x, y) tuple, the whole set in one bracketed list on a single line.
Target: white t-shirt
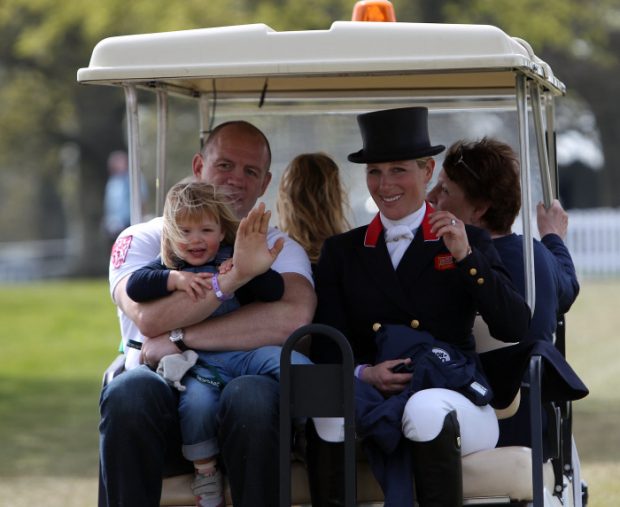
[(139, 244)]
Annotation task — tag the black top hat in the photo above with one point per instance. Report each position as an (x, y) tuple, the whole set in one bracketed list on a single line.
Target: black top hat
[(394, 134)]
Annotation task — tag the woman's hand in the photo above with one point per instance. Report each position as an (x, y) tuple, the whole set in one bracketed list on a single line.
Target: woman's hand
[(452, 230), (553, 220), (384, 379)]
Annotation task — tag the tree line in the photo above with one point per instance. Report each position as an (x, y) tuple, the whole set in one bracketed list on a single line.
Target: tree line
[(55, 135)]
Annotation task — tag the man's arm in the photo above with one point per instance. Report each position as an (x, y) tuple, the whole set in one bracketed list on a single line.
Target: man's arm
[(148, 283), (258, 324), (250, 326), (252, 256), (156, 317)]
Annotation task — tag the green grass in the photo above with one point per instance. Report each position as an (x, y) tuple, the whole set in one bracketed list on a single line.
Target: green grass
[(64, 330), (593, 348), (59, 337)]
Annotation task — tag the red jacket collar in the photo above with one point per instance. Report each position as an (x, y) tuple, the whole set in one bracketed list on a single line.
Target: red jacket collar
[(375, 228)]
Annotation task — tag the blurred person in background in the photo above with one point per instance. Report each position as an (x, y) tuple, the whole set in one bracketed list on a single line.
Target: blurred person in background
[(116, 207), (117, 195), (312, 202)]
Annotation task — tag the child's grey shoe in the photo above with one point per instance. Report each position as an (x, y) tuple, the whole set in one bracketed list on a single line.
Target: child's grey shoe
[(208, 489)]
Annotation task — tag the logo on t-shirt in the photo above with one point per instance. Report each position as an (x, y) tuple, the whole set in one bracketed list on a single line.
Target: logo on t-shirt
[(119, 251)]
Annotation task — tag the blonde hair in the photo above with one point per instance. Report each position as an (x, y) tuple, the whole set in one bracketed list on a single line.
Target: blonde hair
[(422, 161), (312, 202), (192, 201)]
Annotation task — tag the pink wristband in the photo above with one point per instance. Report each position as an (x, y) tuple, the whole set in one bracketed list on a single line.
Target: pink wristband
[(218, 292)]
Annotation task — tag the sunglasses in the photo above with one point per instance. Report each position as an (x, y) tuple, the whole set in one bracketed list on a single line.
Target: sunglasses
[(462, 162)]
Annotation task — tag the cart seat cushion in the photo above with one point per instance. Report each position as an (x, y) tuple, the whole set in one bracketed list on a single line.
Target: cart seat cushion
[(502, 473)]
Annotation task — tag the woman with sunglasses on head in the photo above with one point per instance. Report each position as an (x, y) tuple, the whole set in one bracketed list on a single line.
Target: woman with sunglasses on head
[(479, 183), (417, 272)]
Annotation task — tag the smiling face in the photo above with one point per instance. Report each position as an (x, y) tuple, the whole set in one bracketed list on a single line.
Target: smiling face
[(399, 188), (236, 160), (201, 240)]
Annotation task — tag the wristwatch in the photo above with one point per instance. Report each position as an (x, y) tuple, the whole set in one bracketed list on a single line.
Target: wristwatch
[(176, 337)]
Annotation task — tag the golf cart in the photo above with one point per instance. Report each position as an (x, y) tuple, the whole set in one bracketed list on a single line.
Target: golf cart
[(304, 89)]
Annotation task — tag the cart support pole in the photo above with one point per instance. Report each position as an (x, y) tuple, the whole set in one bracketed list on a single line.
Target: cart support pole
[(535, 379), (543, 158), (204, 105), (162, 149), (551, 142), (526, 197), (133, 142)]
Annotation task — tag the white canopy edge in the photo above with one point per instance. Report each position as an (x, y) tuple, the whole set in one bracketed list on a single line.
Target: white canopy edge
[(238, 60)]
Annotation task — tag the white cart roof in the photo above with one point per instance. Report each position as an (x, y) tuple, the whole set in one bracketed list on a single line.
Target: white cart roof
[(366, 58)]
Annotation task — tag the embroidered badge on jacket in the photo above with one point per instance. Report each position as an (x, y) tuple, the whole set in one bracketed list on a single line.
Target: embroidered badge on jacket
[(444, 261)]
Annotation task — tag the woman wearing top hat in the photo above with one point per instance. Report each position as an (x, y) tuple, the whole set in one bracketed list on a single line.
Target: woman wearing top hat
[(421, 268)]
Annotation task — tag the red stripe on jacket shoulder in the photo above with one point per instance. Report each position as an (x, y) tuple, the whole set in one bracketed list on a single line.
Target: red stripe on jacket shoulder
[(426, 227), (374, 229)]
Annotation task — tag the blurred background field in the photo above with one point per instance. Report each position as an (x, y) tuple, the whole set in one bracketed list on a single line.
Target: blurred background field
[(60, 336)]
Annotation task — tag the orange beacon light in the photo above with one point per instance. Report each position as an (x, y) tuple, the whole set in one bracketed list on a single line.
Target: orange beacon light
[(373, 10)]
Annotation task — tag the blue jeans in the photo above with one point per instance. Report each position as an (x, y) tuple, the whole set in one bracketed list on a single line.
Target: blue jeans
[(199, 403), (140, 439)]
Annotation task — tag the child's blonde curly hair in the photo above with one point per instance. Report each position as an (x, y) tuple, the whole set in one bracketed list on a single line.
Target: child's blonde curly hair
[(192, 201)]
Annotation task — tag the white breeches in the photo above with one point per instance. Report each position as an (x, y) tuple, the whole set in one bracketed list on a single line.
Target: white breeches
[(424, 416), (426, 410)]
